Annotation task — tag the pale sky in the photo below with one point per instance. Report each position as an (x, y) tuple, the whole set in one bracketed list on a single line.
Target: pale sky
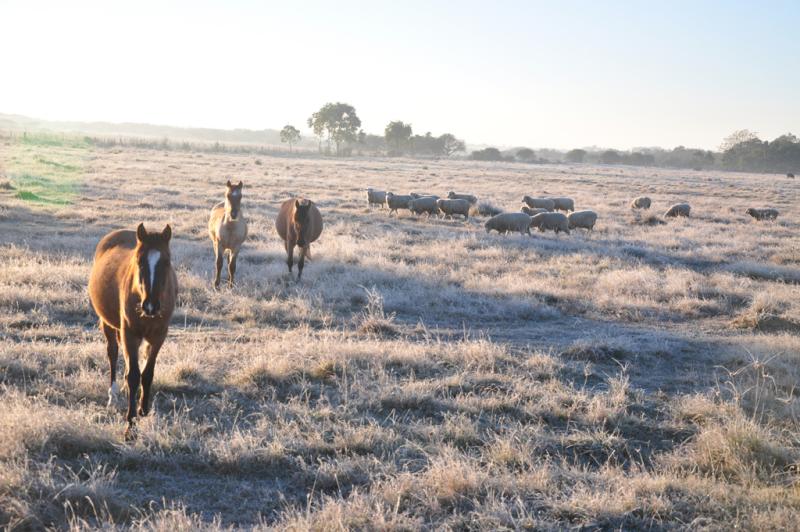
[(509, 73)]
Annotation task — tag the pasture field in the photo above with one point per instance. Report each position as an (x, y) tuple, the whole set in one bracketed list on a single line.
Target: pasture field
[(424, 374)]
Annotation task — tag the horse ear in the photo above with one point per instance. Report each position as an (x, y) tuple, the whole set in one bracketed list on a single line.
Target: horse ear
[(239, 185), (141, 232), (166, 234), (228, 184), (297, 204)]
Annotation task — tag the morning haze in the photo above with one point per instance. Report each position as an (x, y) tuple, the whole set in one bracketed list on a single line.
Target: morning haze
[(516, 73)]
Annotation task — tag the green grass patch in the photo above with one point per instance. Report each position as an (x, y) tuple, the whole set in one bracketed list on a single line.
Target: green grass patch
[(57, 165), (51, 140), (45, 190)]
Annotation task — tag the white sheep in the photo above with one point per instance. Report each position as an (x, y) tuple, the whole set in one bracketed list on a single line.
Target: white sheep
[(582, 220), (554, 221), (679, 209), (450, 207), (563, 204), (539, 203), (417, 195), (642, 202), (763, 214), (531, 211), (509, 222), (397, 201), (424, 204), (469, 197), (375, 197)]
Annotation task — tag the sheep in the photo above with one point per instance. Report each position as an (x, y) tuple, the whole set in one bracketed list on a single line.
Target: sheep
[(539, 203), (551, 220), (679, 209), (563, 204), (424, 204), (509, 222), (532, 212), (582, 220), (397, 201), (790, 175), (416, 195), (469, 197), (485, 208), (449, 207), (763, 214), (375, 197), (642, 202)]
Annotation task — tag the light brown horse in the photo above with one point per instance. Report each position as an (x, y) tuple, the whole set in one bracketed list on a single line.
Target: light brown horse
[(133, 289), (299, 223), (228, 230)]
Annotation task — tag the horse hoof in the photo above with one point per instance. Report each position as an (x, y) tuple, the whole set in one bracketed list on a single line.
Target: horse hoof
[(113, 396), (130, 432)]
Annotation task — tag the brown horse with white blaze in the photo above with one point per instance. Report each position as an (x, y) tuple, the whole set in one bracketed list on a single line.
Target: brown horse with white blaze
[(228, 230), (133, 289), (299, 223)]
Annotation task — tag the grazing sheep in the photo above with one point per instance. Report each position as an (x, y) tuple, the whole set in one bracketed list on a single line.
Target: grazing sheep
[(469, 197), (375, 197), (642, 202), (416, 195), (509, 222), (487, 209), (563, 204), (539, 203), (582, 220), (532, 212), (763, 214), (679, 209), (790, 175), (449, 207), (397, 201), (554, 221), (424, 204)]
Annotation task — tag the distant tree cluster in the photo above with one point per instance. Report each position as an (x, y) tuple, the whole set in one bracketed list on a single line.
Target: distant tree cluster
[(336, 123), (744, 151), (338, 128), (487, 154)]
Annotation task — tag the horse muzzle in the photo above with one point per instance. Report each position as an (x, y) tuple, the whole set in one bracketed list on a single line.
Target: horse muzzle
[(150, 309)]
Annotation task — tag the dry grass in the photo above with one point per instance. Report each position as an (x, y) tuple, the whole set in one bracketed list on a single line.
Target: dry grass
[(424, 374)]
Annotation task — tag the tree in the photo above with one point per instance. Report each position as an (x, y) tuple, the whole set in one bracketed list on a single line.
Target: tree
[(450, 144), (290, 135), (487, 154), (737, 137), (338, 121), (575, 156), (397, 135), (526, 155), (610, 157)]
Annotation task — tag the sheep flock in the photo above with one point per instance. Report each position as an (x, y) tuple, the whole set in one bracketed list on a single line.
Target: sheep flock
[(543, 213)]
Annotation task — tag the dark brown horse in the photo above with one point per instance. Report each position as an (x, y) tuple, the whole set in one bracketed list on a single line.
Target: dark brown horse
[(299, 223), (133, 289)]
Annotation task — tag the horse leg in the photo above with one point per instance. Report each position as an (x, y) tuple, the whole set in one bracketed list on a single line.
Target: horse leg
[(112, 350), (131, 345), (218, 253), (289, 255), (147, 375), (301, 262), (232, 266)]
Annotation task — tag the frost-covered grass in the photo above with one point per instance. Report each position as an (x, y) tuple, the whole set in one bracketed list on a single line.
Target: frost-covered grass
[(424, 374)]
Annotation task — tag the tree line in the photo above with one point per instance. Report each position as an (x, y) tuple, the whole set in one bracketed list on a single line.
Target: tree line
[(338, 131)]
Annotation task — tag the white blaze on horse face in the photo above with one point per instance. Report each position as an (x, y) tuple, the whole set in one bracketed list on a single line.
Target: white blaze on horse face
[(153, 256)]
